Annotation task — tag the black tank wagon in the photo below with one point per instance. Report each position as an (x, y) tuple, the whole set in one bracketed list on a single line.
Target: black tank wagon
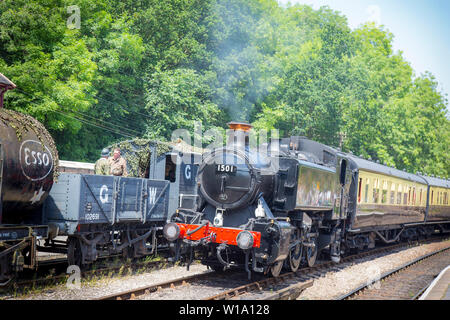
[(28, 161)]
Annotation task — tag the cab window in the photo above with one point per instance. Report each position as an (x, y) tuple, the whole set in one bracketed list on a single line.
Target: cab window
[(171, 168)]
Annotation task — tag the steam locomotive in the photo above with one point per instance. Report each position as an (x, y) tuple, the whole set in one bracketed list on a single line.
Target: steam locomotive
[(282, 204)]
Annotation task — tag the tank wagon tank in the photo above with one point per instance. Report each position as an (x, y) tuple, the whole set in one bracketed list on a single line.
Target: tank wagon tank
[(28, 162), (29, 159)]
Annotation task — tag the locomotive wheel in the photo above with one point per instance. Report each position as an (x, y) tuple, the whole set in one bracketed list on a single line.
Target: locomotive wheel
[(275, 269), (74, 252), (295, 257), (217, 267), (311, 254)]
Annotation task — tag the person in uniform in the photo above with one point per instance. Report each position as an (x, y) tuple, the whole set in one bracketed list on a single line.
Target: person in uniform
[(118, 164), (102, 166)]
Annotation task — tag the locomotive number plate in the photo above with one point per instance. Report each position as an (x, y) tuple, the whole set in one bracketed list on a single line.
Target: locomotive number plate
[(225, 168)]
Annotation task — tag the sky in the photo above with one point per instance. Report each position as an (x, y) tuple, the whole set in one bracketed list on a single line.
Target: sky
[(421, 29)]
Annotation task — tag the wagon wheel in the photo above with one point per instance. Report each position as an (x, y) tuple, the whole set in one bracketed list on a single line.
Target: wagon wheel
[(5, 270), (311, 254), (74, 252), (275, 269), (128, 253), (295, 257)]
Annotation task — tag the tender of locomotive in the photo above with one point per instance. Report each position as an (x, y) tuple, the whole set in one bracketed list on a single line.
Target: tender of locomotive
[(294, 198)]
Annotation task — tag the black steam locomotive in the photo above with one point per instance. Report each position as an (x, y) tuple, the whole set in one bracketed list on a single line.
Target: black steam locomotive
[(293, 198)]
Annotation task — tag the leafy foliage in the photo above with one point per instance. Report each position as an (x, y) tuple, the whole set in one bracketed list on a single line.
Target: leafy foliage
[(145, 68)]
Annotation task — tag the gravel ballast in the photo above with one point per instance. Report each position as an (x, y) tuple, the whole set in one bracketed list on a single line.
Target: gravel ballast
[(329, 286), (337, 283)]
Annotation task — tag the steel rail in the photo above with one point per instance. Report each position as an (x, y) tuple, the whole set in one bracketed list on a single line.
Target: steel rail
[(133, 293), (304, 275), (389, 273), (22, 285)]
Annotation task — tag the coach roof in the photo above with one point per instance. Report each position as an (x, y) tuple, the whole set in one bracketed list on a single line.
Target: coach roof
[(437, 182), (379, 168)]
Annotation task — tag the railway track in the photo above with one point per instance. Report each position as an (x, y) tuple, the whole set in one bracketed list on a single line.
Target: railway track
[(52, 270), (286, 286), (122, 269), (406, 282)]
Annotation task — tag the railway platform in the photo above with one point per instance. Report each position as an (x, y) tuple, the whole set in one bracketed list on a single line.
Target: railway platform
[(439, 288)]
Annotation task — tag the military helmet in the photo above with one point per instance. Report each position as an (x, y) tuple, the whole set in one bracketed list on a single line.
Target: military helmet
[(105, 152)]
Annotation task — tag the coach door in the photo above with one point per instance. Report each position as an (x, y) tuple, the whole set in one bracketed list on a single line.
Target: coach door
[(344, 186)]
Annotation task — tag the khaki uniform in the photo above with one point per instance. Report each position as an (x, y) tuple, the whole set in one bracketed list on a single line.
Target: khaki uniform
[(102, 167), (118, 167)]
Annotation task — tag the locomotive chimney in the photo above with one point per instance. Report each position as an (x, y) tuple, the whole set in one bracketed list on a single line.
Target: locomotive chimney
[(238, 134)]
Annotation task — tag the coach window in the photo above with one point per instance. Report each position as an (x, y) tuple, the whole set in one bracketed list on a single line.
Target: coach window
[(420, 197), (343, 171), (399, 194), (366, 194), (392, 193), (384, 192), (432, 197), (171, 168), (376, 190)]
